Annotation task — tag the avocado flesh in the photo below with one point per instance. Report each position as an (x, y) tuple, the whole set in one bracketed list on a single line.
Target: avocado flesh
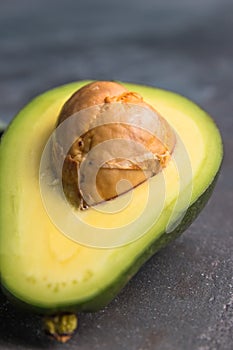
[(46, 270)]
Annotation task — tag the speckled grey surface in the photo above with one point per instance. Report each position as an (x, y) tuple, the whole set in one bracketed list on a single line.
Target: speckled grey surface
[(183, 297)]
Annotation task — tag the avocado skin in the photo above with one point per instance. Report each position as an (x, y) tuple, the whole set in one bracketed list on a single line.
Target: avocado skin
[(106, 295), (1, 133)]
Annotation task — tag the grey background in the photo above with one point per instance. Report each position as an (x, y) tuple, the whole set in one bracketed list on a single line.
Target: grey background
[(183, 297)]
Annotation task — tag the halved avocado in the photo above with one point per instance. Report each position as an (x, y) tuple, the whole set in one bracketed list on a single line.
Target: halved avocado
[(49, 272)]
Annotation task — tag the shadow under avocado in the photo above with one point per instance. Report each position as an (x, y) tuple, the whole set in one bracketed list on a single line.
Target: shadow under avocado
[(19, 327)]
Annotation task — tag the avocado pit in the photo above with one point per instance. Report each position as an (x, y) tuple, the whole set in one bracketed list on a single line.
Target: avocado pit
[(147, 150)]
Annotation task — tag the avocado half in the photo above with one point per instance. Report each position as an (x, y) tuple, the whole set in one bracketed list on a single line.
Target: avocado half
[(43, 269)]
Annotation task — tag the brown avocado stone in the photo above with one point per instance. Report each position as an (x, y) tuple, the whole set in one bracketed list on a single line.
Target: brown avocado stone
[(146, 161), (50, 272)]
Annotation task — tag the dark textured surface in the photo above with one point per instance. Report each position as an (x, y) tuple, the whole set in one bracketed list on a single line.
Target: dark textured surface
[(183, 297)]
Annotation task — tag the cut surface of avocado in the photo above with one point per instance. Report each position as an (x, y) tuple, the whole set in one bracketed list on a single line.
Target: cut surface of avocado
[(49, 271)]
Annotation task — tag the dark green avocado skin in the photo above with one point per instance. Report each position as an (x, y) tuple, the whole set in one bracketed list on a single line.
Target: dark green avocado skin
[(1, 133), (106, 295)]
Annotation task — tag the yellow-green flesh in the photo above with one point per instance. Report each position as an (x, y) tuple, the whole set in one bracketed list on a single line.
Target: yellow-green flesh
[(41, 266)]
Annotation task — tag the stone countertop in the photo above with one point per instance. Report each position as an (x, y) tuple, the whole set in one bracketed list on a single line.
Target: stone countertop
[(183, 297)]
